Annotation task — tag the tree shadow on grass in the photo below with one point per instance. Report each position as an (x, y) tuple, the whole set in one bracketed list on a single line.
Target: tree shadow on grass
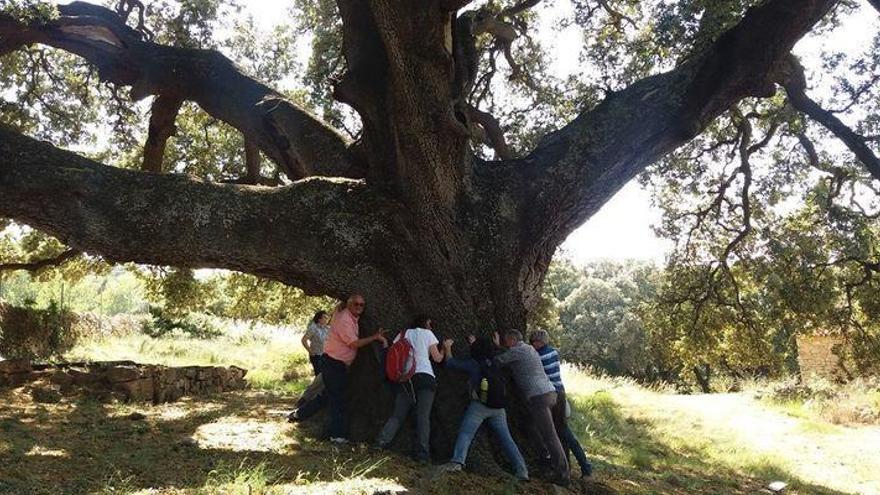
[(632, 458), (195, 445), (82, 446)]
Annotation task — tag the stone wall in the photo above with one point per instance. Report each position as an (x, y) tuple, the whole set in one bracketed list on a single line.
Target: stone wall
[(126, 380), (817, 356)]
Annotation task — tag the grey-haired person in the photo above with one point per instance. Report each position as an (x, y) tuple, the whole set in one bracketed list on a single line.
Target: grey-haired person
[(530, 378), (540, 340)]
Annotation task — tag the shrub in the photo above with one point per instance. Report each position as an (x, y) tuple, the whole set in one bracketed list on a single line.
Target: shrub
[(856, 402), (161, 324), (792, 389), (28, 332)]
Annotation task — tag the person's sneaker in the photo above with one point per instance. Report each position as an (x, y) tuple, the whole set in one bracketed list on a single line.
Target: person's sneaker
[(339, 440), (294, 416), (451, 467)]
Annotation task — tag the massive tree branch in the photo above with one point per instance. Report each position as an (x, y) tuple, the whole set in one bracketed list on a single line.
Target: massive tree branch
[(39, 265), (574, 171), (292, 137), (795, 84), (297, 234), (162, 117), (252, 163), (494, 133)]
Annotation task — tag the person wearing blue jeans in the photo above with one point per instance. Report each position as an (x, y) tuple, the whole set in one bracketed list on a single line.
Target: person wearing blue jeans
[(477, 413), (540, 340)]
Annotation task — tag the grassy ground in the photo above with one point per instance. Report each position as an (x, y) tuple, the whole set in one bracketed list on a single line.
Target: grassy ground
[(654, 442), (854, 403), (642, 441)]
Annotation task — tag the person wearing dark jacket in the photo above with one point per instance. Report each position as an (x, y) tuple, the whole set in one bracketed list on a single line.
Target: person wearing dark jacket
[(477, 369)]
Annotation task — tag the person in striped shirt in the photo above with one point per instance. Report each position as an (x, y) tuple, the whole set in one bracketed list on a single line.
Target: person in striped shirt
[(540, 340)]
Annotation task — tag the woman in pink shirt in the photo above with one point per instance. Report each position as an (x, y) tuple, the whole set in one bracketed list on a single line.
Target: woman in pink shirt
[(339, 352)]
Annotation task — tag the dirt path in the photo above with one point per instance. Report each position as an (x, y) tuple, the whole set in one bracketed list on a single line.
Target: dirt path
[(843, 458)]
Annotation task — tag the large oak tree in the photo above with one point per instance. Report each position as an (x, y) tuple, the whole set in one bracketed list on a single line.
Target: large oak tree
[(412, 211)]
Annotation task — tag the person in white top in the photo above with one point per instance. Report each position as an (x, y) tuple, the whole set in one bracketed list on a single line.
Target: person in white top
[(419, 391)]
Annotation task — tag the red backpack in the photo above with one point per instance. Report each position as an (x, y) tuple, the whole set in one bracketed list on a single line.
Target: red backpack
[(400, 363)]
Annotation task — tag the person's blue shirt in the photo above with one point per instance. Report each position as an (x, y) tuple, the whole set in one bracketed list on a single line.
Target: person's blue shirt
[(550, 360)]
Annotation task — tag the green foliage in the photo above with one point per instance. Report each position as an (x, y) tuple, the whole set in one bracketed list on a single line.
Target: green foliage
[(26, 332), (793, 249), (29, 11), (229, 295), (177, 290), (246, 297), (115, 293), (190, 23), (594, 315), (162, 324)]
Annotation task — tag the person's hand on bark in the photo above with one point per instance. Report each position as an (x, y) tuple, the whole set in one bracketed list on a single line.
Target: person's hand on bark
[(380, 337), (447, 348)]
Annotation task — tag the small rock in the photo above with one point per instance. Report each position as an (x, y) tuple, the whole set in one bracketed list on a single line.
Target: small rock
[(136, 416), (123, 373), (82, 377), (15, 366), (61, 378), (46, 395), (558, 490), (188, 442), (139, 390), (777, 486)]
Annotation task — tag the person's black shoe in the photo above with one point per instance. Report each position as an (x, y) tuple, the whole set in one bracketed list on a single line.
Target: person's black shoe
[(294, 416), (587, 471), (562, 481)]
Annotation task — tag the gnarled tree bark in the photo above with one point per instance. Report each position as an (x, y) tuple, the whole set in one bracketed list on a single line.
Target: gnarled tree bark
[(162, 116)]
